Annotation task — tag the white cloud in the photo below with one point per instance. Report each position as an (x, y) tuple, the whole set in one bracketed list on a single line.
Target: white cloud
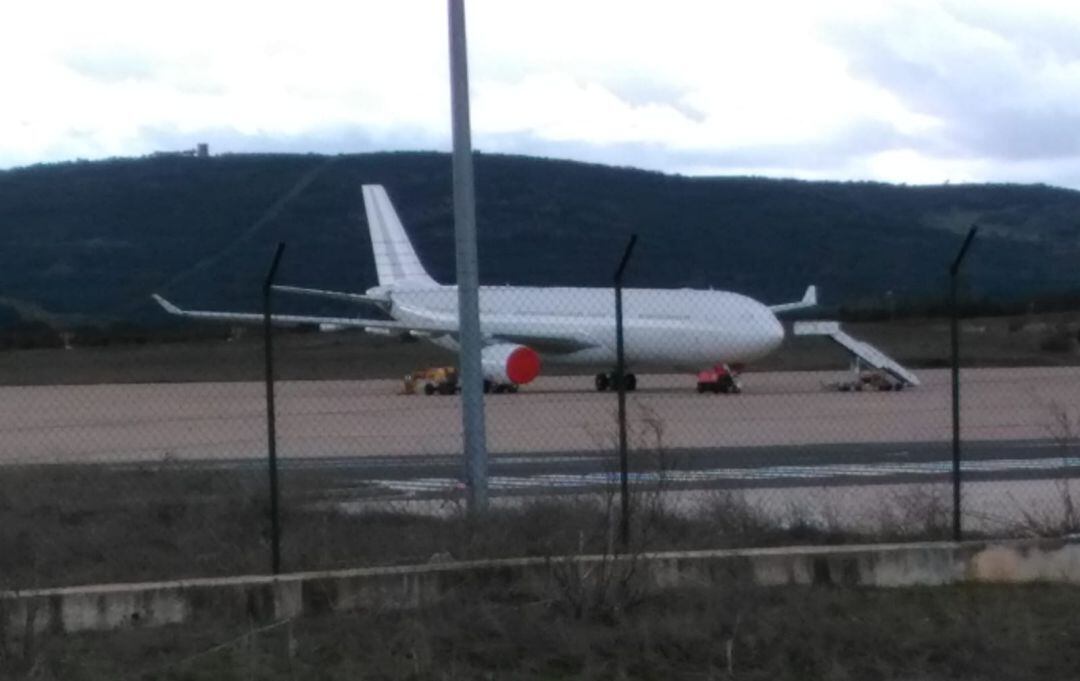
[(914, 167), (895, 91), (997, 78), (556, 107)]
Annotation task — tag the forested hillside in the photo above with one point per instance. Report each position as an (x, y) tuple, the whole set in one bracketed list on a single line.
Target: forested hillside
[(88, 242)]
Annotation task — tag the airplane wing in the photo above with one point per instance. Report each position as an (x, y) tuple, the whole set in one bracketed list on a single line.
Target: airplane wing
[(809, 299), (344, 322), (546, 344), (332, 295), (541, 342)]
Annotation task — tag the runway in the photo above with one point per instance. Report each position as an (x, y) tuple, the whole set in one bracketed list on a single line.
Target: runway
[(1008, 486), (722, 468), (556, 416)]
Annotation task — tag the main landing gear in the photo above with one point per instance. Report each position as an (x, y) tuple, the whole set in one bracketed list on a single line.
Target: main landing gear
[(608, 381), (494, 387)]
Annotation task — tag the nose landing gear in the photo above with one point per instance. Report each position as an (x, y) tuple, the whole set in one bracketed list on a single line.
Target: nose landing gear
[(608, 381)]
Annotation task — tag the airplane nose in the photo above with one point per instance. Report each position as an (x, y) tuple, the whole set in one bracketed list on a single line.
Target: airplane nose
[(776, 332)]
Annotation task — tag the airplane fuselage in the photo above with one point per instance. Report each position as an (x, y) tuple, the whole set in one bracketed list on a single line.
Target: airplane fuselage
[(661, 326)]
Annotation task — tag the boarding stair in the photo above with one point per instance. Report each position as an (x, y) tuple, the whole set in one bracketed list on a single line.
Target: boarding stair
[(861, 350)]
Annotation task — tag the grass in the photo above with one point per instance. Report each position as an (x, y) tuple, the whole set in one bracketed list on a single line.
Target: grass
[(958, 633), (67, 525)]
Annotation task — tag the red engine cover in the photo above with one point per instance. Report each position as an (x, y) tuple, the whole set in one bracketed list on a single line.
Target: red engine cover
[(523, 365), (509, 363)]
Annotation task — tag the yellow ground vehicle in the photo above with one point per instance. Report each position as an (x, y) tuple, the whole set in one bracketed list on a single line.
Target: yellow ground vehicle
[(444, 381), (441, 380), (867, 380)]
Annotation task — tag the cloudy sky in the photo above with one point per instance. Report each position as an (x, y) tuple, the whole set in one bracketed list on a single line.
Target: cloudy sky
[(917, 92)]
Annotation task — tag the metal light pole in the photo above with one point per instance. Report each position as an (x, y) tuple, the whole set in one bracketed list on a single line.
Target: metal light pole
[(468, 280), (620, 385), (954, 337), (271, 431)]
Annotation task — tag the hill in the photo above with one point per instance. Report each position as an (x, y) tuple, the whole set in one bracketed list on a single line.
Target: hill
[(88, 242)]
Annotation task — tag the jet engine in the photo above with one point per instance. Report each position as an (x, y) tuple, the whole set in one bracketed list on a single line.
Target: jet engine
[(507, 363)]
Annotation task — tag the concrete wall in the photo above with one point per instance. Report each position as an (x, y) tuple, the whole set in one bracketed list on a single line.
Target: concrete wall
[(264, 599)]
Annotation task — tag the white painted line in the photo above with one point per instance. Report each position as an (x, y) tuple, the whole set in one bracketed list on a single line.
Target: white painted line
[(772, 473)]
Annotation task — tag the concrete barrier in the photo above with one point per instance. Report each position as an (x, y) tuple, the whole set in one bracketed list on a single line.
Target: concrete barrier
[(266, 598)]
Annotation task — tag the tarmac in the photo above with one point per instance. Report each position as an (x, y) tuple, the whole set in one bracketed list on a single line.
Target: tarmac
[(227, 421), (788, 447)]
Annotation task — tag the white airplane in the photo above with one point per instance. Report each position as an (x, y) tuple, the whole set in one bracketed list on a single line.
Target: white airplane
[(519, 325)]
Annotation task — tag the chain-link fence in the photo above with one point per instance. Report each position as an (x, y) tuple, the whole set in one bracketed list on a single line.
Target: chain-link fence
[(149, 461)]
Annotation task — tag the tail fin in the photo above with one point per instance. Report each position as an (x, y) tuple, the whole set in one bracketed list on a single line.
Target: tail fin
[(395, 258), (809, 299)]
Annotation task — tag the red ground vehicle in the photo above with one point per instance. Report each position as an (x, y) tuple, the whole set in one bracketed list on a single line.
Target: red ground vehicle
[(720, 379)]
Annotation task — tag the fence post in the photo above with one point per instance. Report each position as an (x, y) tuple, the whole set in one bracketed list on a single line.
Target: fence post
[(271, 429), (954, 337), (620, 386), (474, 428)]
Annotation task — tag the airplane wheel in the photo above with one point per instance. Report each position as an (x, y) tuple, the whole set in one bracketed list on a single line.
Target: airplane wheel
[(429, 389), (602, 382)]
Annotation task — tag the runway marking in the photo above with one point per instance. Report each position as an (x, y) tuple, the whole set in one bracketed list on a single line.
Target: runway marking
[(768, 473)]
